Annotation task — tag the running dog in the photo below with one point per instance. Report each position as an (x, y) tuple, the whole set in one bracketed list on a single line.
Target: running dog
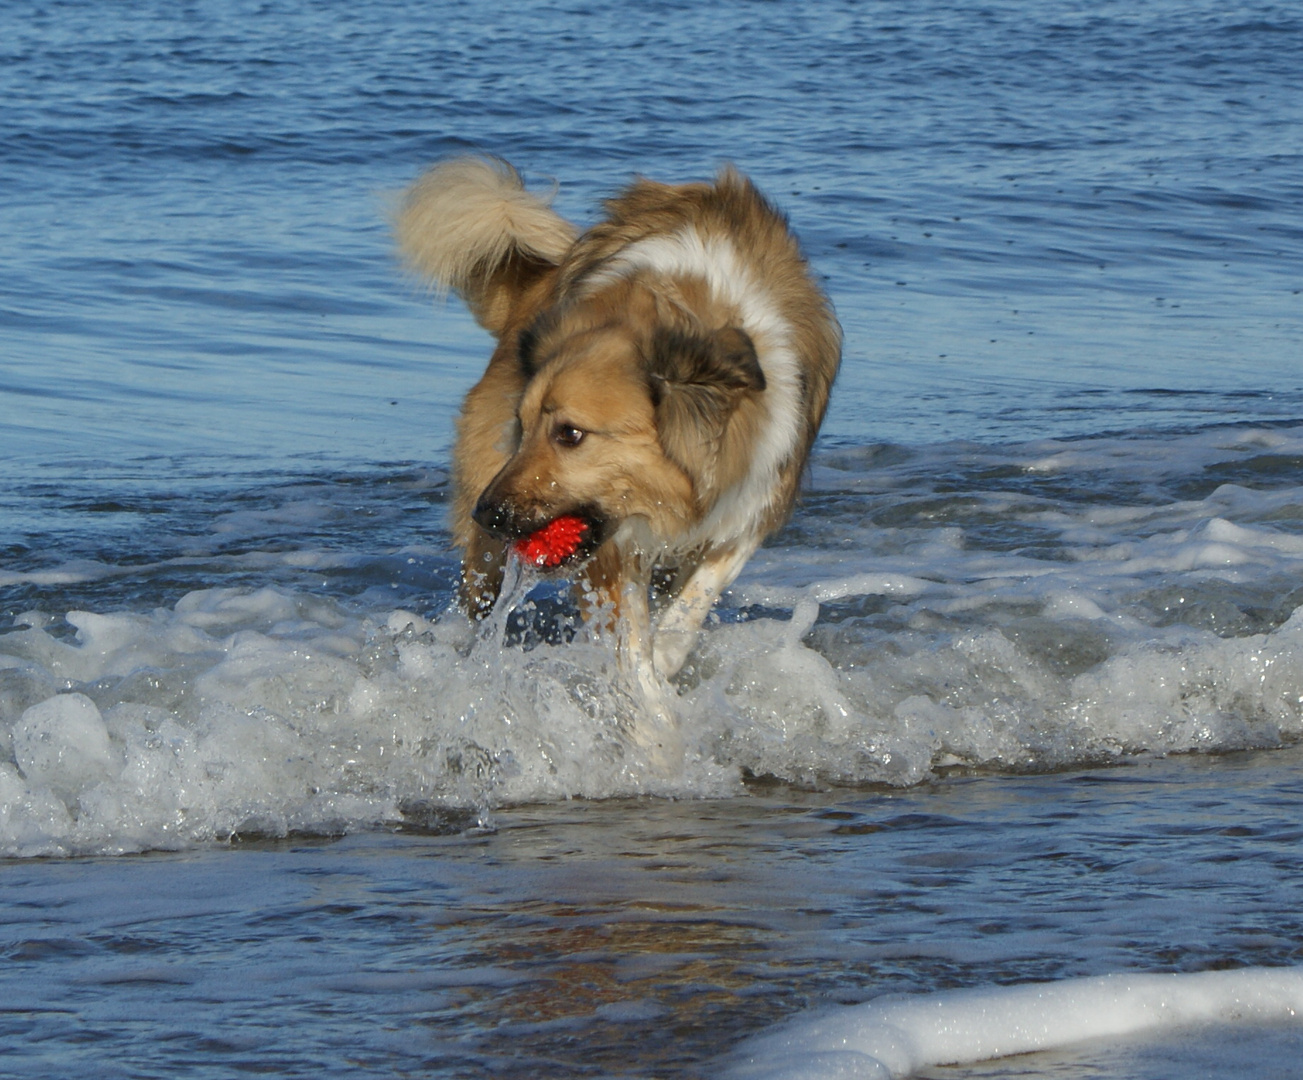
[(657, 384)]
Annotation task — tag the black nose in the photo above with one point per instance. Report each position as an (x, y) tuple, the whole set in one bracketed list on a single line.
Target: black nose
[(495, 517)]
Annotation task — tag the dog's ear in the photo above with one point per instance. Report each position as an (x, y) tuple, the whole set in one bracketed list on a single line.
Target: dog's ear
[(469, 225), (696, 381)]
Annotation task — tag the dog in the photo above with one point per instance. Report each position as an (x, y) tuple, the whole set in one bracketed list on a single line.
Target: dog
[(659, 379)]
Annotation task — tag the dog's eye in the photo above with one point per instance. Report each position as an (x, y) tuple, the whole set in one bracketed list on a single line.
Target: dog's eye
[(568, 435)]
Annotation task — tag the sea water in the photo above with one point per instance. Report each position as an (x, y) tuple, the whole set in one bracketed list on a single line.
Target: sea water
[(1012, 707)]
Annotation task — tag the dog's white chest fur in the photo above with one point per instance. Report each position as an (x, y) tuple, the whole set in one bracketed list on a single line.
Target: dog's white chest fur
[(736, 516)]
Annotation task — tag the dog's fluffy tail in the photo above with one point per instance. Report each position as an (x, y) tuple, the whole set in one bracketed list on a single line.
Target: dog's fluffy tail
[(470, 226)]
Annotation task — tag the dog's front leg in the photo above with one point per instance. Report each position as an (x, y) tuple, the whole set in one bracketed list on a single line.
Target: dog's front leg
[(620, 583), (481, 573), (680, 622)]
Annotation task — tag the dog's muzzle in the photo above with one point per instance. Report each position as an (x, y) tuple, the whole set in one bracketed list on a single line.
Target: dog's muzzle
[(501, 520)]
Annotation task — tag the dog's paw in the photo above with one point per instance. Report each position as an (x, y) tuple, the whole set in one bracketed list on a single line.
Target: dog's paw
[(670, 649)]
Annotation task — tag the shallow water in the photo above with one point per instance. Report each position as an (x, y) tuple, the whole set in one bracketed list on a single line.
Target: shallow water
[(644, 937), (1016, 696)]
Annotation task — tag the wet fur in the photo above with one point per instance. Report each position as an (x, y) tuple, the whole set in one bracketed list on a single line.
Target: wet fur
[(685, 339)]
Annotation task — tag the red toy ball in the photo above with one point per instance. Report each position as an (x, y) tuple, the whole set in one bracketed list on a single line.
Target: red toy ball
[(554, 543)]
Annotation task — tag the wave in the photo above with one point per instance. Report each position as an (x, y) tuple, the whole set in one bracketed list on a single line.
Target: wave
[(898, 1035), (1021, 608)]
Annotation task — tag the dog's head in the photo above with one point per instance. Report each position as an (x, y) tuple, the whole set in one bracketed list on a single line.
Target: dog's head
[(625, 415)]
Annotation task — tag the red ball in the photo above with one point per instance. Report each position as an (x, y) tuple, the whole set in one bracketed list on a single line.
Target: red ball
[(554, 543)]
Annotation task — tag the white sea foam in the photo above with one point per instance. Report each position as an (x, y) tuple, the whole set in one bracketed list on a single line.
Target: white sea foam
[(897, 1035), (267, 711)]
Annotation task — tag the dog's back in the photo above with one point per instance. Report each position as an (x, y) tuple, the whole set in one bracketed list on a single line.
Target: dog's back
[(729, 237)]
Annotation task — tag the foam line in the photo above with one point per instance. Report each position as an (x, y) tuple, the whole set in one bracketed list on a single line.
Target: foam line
[(895, 1036)]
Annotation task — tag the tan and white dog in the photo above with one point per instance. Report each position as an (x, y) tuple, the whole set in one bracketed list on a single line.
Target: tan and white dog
[(660, 376)]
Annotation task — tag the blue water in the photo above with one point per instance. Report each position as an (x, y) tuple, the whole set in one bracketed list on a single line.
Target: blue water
[(1051, 547)]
